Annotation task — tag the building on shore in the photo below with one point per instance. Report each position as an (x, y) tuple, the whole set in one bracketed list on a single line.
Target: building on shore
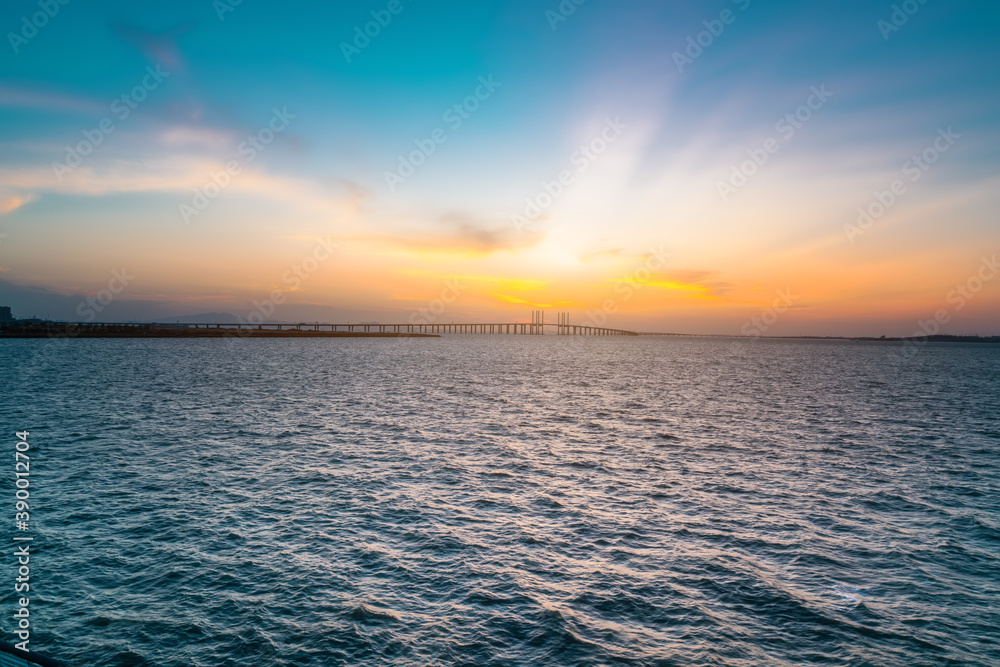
[(5, 315)]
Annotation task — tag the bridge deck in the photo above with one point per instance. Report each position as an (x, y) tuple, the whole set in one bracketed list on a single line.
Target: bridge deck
[(495, 328)]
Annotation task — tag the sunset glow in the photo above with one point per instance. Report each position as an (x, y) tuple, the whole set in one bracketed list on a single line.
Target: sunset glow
[(537, 162)]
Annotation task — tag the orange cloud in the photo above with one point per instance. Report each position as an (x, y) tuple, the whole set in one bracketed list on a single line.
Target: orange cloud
[(11, 203), (464, 242)]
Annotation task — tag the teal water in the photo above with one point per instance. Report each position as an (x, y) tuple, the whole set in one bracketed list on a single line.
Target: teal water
[(477, 500)]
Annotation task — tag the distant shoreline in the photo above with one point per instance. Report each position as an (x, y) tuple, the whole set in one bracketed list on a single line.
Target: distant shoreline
[(97, 330), (36, 329), (937, 338)]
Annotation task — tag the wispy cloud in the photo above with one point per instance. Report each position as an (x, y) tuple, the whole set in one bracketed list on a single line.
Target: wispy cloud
[(517, 301), (603, 255), (454, 234), (48, 100), (694, 284), (10, 203), (159, 47)]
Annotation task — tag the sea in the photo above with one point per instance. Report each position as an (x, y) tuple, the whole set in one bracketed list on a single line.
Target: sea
[(505, 500)]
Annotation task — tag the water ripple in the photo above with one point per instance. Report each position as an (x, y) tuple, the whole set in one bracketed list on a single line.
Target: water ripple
[(511, 500)]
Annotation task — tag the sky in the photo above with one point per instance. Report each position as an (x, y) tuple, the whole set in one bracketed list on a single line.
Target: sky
[(720, 167)]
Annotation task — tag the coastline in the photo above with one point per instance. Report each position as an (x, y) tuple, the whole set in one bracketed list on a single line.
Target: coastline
[(47, 329), (71, 330)]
